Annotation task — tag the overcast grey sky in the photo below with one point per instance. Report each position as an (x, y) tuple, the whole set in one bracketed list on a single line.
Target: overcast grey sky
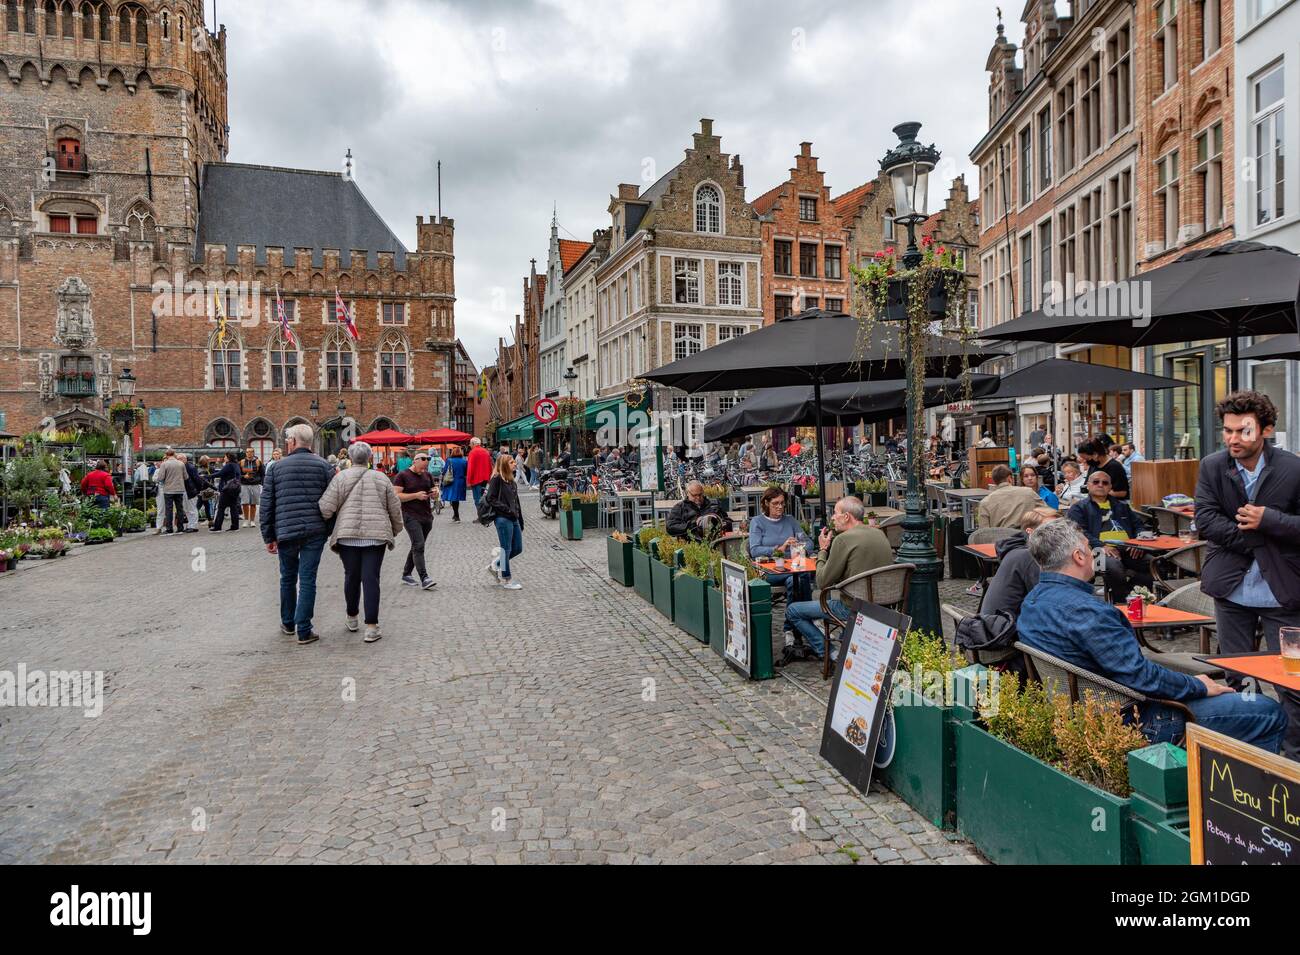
[(529, 103)]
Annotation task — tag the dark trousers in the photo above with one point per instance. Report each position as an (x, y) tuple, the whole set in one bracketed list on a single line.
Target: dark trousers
[(1237, 628), (1118, 583), (299, 560), (361, 572), (227, 502), (417, 530), (455, 510), (174, 506)]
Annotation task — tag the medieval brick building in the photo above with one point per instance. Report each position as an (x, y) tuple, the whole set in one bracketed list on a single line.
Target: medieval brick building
[(122, 227)]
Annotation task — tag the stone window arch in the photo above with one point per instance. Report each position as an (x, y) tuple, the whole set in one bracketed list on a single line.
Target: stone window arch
[(141, 27), (51, 18), (393, 363), (221, 433), (29, 16), (226, 359), (74, 216), (66, 25), (260, 436), (708, 208), (283, 369), (88, 21), (124, 25), (338, 360), (383, 423)]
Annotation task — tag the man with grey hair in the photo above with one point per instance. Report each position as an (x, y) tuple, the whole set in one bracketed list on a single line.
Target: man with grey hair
[(1063, 617), (294, 530), (171, 483), (853, 548), (696, 517)]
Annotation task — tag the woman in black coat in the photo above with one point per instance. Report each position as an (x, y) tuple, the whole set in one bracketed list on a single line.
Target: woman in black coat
[(500, 506), (227, 484)]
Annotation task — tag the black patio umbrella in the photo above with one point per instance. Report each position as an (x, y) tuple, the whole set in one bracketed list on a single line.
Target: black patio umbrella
[(1239, 288), (1283, 346), (814, 347), (795, 406)]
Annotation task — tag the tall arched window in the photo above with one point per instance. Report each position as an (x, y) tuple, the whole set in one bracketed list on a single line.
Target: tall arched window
[(339, 359), (165, 21), (124, 25), (708, 209), (88, 21), (66, 11), (29, 16), (141, 27), (51, 19), (225, 360), (392, 364), (105, 22), (141, 226), (220, 434), (11, 17), (283, 361)]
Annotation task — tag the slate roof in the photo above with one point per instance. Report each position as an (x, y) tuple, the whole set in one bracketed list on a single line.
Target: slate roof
[(290, 208)]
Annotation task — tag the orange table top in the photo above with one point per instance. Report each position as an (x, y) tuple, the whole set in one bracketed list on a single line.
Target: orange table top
[(807, 566), (1262, 666), (984, 550), (1153, 615), (1188, 510), (1161, 542)]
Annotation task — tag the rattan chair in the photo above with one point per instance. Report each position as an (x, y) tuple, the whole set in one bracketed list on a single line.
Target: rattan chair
[(1062, 677), (1191, 598), (893, 530), (951, 617), (1166, 520), (1188, 559), (885, 587)]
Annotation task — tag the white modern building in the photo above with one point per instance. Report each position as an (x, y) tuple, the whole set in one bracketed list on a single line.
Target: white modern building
[(1267, 136)]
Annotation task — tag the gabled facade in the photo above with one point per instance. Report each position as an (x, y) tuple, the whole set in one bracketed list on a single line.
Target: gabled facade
[(555, 357), (580, 313)]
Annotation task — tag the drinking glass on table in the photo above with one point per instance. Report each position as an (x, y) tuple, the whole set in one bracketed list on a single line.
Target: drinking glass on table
[(1184, 533), (1289, 639)]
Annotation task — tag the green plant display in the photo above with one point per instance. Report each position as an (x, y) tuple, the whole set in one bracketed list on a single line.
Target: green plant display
[(99, 535), (697, 559), (668, 547), (647, 534), (26, 479), (928, 653)]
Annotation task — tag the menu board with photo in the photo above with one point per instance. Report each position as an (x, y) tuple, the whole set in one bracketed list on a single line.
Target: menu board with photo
[(869, 650), (651, 464), (735, 616)]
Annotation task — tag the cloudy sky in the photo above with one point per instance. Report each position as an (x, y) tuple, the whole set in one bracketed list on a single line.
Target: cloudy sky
[(534, 102)]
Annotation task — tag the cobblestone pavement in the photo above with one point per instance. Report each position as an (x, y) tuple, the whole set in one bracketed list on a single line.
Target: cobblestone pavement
[(487, 726)]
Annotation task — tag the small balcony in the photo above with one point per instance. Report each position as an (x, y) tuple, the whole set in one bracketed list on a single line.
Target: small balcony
[(73, 164), (75, 386)]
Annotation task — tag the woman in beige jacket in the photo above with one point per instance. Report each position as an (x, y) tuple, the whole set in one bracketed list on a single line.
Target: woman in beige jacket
[(369, 518)]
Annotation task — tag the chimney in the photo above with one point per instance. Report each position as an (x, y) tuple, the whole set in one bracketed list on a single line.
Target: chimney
[(805, 150), (739, 170), (628, 191), (706, 127)]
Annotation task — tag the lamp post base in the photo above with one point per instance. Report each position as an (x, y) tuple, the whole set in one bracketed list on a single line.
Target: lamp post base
[(923, 593)]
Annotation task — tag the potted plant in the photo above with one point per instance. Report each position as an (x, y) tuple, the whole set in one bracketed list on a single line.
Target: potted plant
[(570, 518), (6, 556), (1045, 781), (618, 553), (99, 535), (642, 577), (690, 586), (662, 568), (1147, 598), (778, 557), (588, 502), (133, 521)]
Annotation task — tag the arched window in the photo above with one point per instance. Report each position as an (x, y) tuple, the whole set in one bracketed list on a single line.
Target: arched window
[(141, 27), (261, 438), (339, 359), (29, 16), (708, 209), (220, 434), (225, 360), (124, 25), (51, 19), (141, 225), (283, 360), (392, 364), (69, 216), (66, 11), (88, 21), (11, 17), (888, 225), (105, 22), (165, 20)]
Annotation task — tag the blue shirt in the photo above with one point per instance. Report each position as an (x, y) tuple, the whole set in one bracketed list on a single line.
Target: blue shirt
[(1253, 591), (766, 534), (1050, 499), (1063, 617)]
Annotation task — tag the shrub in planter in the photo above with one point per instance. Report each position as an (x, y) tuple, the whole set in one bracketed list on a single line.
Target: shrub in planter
[(588, 502), (662, 568), (99, 535), (134, 520), (642, 577), (618, 553), (690, 600), (1016, 797), (924, 768)]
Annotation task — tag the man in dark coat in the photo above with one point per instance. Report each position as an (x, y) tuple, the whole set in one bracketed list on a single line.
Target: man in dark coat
[(1248, 509), (696, 517), (1108, 523), (293, 528)]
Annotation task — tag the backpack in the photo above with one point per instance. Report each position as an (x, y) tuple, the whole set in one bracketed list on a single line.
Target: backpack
[(987, 631)]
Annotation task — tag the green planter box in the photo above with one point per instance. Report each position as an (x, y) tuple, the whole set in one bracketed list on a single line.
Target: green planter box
[(1020, 811), (760, 625), (690, 605), (713, 597), (619, 556), (923, 772), (590, 514), (877, 499), (642, 579), (661, 576), (571, 525)]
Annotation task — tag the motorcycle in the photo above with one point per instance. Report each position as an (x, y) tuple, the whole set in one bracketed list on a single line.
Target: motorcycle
[(552, 484)]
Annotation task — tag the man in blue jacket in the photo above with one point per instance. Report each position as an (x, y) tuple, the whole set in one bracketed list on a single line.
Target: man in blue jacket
[(293, 528), (1109, 523), (1061, 616), (1248, 509)]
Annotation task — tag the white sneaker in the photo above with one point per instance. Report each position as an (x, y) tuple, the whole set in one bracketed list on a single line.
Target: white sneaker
[(511, 585), (372, 633), (351, 624), (494, 567)]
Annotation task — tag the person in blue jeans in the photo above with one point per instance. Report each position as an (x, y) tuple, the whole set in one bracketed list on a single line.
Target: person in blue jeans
[(500, 506), (294, 530), (1063, 617)]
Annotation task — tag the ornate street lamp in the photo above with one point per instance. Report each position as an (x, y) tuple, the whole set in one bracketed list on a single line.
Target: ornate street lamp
[(124, 417), (570, 377), (908, 166)]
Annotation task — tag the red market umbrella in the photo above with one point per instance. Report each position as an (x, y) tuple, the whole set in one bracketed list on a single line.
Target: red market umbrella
[(442, 436), (384, 436)]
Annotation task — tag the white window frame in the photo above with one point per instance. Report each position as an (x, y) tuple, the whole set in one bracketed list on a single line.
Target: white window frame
[(1210, 172), (1168, 192), (732, 282), (708, 211), (686, 271), (1268, 191), (688, 335)]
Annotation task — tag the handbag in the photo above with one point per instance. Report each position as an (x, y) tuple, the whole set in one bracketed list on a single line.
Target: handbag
[(448, 479)]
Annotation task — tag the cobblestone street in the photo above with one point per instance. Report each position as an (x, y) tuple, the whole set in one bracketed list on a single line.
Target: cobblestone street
[(487, 726)]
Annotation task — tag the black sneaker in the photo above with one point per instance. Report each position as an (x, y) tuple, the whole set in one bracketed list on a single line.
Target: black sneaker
[(409, 580), (310, 638), (287, 631), (427, 584)]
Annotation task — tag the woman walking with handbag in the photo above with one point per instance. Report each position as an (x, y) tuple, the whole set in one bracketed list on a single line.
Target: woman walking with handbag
[(369, 517), (500, 506), (453, 481)]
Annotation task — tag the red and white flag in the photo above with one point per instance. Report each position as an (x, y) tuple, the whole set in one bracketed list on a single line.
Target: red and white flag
[(289, 337), (343, 315)]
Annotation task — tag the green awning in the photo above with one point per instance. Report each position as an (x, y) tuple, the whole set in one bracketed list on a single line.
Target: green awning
[(520, 429), (591, 417)]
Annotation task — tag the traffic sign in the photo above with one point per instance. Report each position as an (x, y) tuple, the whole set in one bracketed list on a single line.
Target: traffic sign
[(546, 410)]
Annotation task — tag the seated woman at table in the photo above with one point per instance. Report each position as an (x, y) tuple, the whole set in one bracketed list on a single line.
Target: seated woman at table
[(774, 528), (1109, 523), (1029, 478), (1073, 488)]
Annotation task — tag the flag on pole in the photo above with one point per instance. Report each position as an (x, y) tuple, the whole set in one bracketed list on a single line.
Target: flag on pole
[(220, 314), (284, 320), (342, 314), (482, 386)]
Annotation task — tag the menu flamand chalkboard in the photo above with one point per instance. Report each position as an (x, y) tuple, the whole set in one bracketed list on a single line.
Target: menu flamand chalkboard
[(1243, 802)]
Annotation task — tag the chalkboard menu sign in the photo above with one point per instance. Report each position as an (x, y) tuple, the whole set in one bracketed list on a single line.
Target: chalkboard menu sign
[(1243, 802)]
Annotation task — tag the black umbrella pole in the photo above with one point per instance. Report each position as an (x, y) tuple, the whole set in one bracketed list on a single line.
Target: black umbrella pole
[(1232, 356), (918, 537), (821, 456)]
